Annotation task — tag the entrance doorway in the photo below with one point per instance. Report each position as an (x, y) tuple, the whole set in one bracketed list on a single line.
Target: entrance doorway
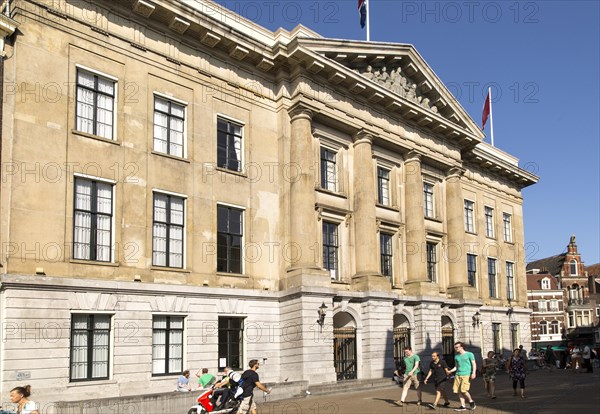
[(448, 341), (344, 346)]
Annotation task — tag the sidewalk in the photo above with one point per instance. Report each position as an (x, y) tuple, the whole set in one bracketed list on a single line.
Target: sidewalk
[(556, 392)]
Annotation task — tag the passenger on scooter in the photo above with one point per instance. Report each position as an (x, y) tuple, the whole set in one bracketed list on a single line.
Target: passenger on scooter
[(224, 389)]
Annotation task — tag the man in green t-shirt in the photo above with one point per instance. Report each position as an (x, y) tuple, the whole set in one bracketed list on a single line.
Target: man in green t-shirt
[(411, 375), (465, 368)]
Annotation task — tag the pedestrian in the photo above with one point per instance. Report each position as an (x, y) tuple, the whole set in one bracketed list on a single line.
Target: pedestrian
[(205, 379), (466, 368), (411, 375), (222, 389), (550, 358), (587, 359), (576, 360), (523, 352), (250, 380), (183, 382), (20, 396), (489, 374), (517, 370), (439, 369)]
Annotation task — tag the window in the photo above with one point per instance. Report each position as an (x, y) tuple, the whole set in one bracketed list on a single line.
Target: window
[(330, 248), (545, 284), (386, 254), (95, 104), (510, 283), (229, 145), (169, 122), (383, 186), (542, 305), (167, 345), (496, 340), (231, 346), (469, 223), (328, 169), (230, 231), (571, 319), (492, 277), (573, 267), (92, 220), (489, 222), (543, 328), (553, 305), (507, 220), (428, 202), (514, 335), (167, 231), (471, 269), (554, 328), (431, 262), (598, 311), (90, 339)]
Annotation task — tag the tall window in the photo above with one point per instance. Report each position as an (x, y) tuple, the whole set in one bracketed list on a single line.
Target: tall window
[(428, 201), (542, 305), (507, 220), (492, 277), (510, 283), (230, 231), (514, 335), (95, 104), (229, 145), (469, 223), (497, 342), (543, 328), (92, 220), (231, 345), (328, 169), (571, 319), (553, 305), (431, 261), (471, 269), (167, 345), (167, 231), (90, 339), (554, 328), (169, 121), (573, 267), (330, 248), (386, 254), (383, 186), (489, 222)]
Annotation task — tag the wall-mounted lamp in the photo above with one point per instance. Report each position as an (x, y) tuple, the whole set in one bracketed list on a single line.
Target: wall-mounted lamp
[(322, 311), (509, 311), (476, 319)]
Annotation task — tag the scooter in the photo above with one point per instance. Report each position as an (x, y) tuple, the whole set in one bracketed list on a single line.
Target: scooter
[(206, 404)]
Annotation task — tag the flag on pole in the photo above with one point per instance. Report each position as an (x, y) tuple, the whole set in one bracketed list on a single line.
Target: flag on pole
[(486, 110), (362, 10)]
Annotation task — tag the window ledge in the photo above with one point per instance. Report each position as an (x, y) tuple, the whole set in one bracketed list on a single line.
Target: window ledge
[(509, 242), (333, 193), (94, 263), (238, 173), (491, 238), (240, 275), (172, 157), (92, 382), (162, 377), (395, 209), (96, 137), (339, 282), (170, 269), (471, 233), (434, 219)]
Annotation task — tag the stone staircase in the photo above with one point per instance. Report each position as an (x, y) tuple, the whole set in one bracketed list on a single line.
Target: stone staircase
[(351, 386)]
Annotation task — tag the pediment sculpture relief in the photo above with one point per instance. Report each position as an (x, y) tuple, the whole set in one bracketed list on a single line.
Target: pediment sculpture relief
[(395, 81)]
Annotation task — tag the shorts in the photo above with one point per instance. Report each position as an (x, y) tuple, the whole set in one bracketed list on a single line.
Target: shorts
[(491, 376), (441, 386), (247, 405), (462, 383), (411, 379)]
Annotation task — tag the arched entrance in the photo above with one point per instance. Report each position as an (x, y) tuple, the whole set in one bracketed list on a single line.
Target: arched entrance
[(344, 346), (448, 341), (401, 337)]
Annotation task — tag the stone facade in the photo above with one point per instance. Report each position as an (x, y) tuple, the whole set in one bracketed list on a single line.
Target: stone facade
[(167, 163)]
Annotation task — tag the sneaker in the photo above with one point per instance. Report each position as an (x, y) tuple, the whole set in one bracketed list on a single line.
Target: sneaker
[(472, 405), (461, 409), (400, 403), (432, 406), (419, 402), (446, 404)]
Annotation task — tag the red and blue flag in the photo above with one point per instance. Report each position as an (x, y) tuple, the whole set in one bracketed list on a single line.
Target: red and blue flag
[(362, 10)]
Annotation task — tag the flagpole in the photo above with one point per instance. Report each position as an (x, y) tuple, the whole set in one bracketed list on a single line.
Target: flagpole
[(368, 26), (491, 117)]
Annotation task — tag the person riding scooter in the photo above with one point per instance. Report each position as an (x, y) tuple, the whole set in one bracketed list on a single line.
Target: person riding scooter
[(224, 388)]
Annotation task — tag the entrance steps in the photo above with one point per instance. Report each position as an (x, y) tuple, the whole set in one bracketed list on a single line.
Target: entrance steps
[(351, 386)]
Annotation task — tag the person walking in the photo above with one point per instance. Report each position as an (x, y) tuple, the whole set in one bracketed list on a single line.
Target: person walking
[(550, 358), (250, 380), (465, 368), (411, 375), (439, 369), (587, 359), (489, 374), (517, 370)]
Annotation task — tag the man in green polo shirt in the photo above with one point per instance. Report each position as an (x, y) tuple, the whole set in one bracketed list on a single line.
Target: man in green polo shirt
[(465, 368), (411, 375)]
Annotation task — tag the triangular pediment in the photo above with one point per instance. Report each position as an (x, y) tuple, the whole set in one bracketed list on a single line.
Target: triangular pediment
[(400, 71)]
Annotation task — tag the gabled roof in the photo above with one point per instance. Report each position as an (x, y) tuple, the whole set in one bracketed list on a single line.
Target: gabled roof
[(552, 265), (534, 281)]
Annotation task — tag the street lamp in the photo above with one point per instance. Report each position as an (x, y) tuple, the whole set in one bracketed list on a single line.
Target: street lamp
[(322, 311)]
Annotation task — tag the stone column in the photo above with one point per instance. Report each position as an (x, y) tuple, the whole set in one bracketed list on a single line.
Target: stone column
[(304, 243), (365, 224), (416, 278)]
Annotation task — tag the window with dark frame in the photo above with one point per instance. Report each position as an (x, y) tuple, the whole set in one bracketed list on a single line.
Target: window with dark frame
[(573, 267), (231, 346), (167, 345), (469, 210), (328, 169), (383, 186), (229, 145), (330, 248), (92, 220), (496, 338), (492, 277), (428, 202), (230, 232), (471, 269), (543, 328), (489, 222), (386, 254), (431, 261), (95, 96), (168, 227), (554, 328), (90, 346), (514, 335), (510, 286), (169, 122)]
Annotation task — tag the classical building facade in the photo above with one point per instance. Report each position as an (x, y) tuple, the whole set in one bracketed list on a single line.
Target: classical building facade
[(183, 188)]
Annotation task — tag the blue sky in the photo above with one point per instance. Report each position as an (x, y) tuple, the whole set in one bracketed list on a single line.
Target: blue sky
[(542, 59)]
